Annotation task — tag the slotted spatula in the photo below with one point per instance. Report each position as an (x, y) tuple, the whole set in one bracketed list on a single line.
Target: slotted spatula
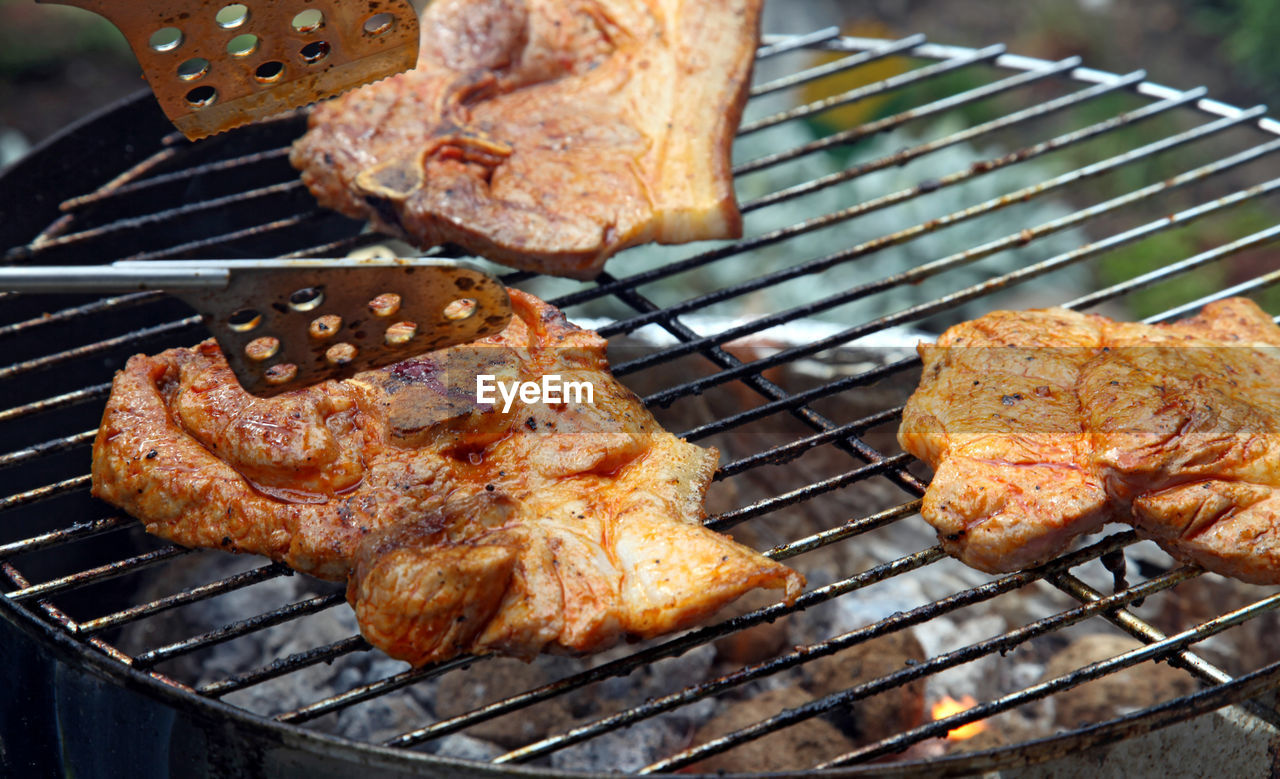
[(285, 324), (215, 65)]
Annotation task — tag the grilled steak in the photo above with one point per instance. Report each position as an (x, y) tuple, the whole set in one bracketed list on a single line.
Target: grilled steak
[(1042, 425), (546, 134), (459, 528)]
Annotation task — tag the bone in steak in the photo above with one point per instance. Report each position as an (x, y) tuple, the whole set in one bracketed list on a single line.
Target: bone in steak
[(1042, 425), (547, 134), (459, 528)]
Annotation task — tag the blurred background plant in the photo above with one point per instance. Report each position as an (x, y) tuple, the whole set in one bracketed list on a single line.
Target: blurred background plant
[(1227, 46), (1249, 30), (37, 39), (57, 63)]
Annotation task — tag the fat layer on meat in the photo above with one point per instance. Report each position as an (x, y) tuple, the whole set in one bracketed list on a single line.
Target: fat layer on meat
[(459, 528), (547, 134), (1042, 425)]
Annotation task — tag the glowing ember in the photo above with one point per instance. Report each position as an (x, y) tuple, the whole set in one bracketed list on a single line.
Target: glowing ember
[(948, 706)]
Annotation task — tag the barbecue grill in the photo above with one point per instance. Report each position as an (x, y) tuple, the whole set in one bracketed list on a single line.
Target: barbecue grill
[(84, 587)]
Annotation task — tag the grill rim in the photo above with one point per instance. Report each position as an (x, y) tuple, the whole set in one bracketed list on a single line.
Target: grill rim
[(1231, 692), (1171, 712)]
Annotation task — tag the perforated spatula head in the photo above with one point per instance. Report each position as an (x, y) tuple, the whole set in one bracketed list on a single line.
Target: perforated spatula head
[(287, 324), (215, 65)]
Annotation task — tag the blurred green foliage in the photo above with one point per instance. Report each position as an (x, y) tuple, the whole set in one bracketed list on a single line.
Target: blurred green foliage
[(1170, 246), (1155, 253), (1249, 30), (38, 38)]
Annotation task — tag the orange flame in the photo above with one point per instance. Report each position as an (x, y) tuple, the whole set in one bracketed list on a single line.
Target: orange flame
[(948, 706)]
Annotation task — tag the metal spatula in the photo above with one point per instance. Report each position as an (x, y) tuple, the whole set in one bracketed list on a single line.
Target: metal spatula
[(215, 65), (284, 324)]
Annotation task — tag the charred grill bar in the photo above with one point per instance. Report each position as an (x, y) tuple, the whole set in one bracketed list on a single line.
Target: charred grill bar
[(238, 195)]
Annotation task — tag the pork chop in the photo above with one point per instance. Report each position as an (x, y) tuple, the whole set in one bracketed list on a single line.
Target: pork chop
[(458, 525), (546, 134), (1042, 425)]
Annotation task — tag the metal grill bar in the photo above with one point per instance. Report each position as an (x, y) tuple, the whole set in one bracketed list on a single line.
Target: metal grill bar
[(862, 93), (729, 519), (630, 282), (11, 372), (933, 108), (1003, 643), (969, 293), (93, 392), (46, 448), (135, 186), (798, 399), (365, 692), (342, 246), (1019, 62), (60, 617), (287, 665), (237, 629), (1188, 661), (191, 248), (210, 590), (671, 648), (59, 225), (95, 575), (1239, 289), (45, 492), (1259, 238), (787, 452), (897, 621), (1008, 120), (994, 204), (921, 272), (78, 312), (185, 211), (65, 535), (849, 529), (767, 389), (795, 42), (844, 63), (1153, 651)]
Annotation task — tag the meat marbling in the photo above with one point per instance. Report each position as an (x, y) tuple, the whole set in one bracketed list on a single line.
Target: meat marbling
[(547, 134), (1042, 425), (459, 528)]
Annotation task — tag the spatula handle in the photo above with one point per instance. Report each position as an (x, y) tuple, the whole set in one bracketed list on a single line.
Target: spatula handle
[(106, 278)]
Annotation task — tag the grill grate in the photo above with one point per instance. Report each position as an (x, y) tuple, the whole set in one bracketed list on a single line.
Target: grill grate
[(237, 194)]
